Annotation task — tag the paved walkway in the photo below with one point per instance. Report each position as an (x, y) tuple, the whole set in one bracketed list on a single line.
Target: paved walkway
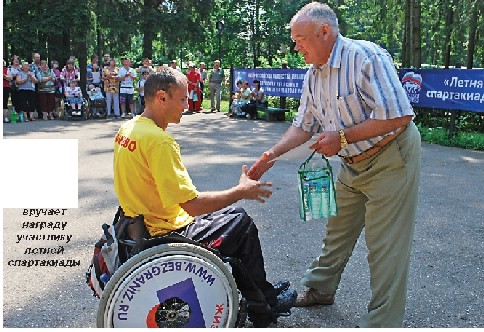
[(447, 270)]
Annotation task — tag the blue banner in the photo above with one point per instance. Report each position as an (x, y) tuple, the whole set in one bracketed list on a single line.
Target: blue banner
[(458, 89), (455, 89), (274, 82)]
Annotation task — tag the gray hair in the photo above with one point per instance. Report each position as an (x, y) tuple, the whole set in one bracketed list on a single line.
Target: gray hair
[(318, 13)]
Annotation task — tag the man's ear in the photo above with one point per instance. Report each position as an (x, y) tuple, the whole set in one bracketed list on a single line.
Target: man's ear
[(161, 95)]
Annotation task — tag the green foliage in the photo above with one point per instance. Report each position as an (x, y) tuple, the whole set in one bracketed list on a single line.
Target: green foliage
[(439, 135)]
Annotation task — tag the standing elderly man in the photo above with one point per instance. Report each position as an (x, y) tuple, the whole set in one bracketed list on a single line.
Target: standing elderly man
[(353, 100), (151, 180), (215, 80)]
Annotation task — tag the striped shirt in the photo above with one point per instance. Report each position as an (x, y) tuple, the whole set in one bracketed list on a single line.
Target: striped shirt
[(358, 82)]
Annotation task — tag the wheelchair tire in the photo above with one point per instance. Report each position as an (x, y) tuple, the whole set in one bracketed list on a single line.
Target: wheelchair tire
[(170, 285)]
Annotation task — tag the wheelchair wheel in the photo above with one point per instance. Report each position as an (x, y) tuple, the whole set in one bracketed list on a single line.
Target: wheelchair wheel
[(170, 286)]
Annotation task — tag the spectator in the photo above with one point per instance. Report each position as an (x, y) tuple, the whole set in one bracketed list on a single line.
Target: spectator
[(145, 66), (105, 63), (47, 80), (175, 66), (94, 61), (26, 85), (111, 87), (215, 80), (245, 98), (203, 79), (13, 70), (59, 89), (141, 89), (73, 94), (94, 76), (69, 73), (127, 75), (193, 87), (94, 93), (6, 91), (236, 100), (35, 68), (257, 100)]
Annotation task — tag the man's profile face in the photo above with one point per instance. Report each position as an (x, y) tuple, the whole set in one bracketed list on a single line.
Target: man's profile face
[(36, 57), (309, 40), (176, 103)]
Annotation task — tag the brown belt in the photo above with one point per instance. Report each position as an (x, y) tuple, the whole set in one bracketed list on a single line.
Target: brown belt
[(374, 149)]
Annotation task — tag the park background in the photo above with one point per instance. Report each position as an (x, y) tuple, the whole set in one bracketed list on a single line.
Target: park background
[(255, 34), (447, 273)]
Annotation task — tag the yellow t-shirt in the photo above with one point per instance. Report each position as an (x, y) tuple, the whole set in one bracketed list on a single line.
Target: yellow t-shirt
[(149, 177)]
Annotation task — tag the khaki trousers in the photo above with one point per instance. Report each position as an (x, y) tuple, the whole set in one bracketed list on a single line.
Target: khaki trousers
[(380, 194)]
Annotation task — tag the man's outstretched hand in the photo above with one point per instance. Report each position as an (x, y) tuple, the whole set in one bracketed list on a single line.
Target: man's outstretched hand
[(261, 166), (253, 189)]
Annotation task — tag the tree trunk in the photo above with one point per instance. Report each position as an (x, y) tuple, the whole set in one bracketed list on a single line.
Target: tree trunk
[(472, 36), (54, 51), (82, 50), (147, 26), (66, 48), (449, 19), (416, 56), (406, 49)]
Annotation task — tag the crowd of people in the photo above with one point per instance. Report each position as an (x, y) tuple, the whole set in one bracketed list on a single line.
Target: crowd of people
[(37, 88), (246, 101)]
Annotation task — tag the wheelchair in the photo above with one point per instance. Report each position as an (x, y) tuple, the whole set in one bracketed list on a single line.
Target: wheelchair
[(70, 114), (171, 281), (98, 109)]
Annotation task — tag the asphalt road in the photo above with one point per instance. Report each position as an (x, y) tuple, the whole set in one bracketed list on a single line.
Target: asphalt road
[(446, 285)]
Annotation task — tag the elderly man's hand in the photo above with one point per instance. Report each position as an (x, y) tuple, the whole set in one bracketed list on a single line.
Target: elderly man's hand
[(328, 143), (261, 166), (252, 189)]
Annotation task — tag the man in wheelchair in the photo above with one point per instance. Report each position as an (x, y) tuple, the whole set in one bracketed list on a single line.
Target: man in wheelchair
[(151, 180)]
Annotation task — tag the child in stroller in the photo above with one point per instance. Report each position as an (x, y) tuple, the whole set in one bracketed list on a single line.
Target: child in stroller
[(74, 101), (97, 102)]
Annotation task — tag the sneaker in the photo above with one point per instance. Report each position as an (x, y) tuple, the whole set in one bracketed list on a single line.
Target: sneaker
[(285, 301), (6, 120), (312, 297), (123, 116)]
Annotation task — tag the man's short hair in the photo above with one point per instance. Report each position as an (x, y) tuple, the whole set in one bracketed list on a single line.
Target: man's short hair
[(318, 13), (165, 79)]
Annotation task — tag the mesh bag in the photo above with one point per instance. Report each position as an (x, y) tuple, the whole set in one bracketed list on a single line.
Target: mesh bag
[(317, 195)]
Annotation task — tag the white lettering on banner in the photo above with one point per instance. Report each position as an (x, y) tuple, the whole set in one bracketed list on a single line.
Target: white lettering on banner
[(444, 95), (455, 81)]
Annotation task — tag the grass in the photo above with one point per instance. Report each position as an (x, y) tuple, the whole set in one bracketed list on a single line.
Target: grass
[(465, 140)]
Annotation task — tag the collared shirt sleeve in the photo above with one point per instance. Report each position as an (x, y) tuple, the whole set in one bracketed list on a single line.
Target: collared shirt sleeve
[(304, 118), (381, 88)]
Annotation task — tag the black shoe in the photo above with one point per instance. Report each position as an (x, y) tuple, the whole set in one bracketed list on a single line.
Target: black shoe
[(281, 286), (285, 301)]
